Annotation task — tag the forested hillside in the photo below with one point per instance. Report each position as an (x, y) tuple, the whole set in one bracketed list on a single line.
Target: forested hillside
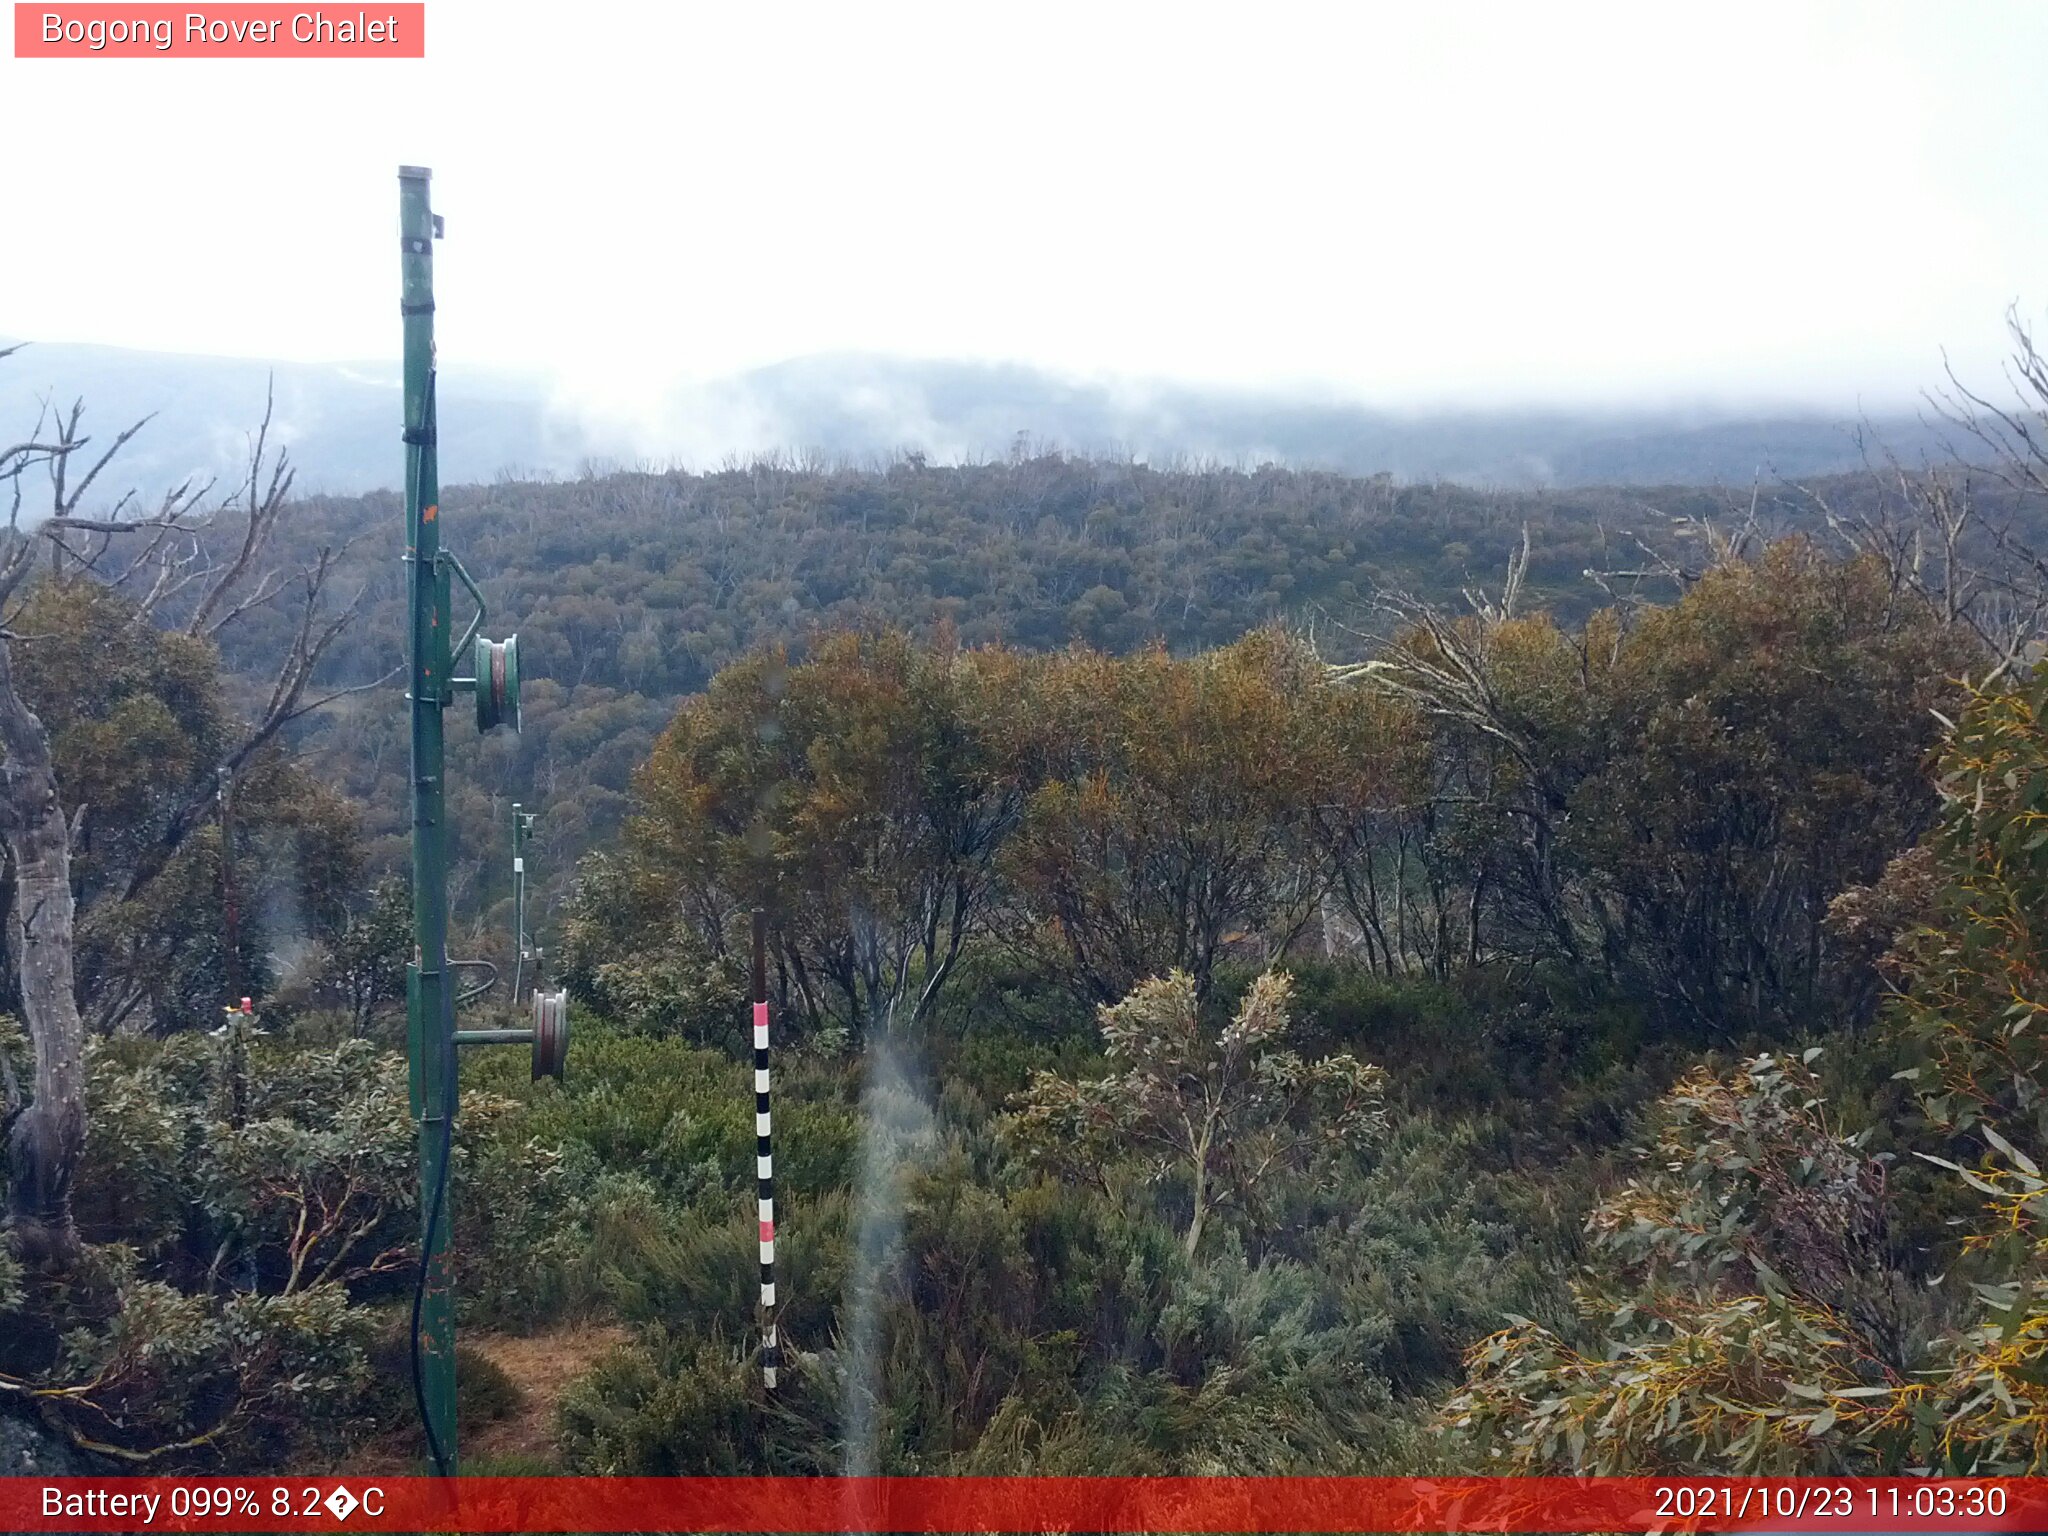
[(630, 591), (1275, 972)]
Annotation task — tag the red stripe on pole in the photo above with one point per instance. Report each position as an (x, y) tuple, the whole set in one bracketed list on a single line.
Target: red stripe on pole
[(1025, 1504), (767, 1231)]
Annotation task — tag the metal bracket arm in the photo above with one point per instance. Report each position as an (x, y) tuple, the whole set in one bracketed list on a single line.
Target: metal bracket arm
[(476, 621)]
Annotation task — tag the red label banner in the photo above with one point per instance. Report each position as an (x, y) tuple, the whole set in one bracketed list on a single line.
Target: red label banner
[(226, 31), (1024, 1504)]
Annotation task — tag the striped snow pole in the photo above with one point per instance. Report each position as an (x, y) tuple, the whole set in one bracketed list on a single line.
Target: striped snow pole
[(764, 1154)]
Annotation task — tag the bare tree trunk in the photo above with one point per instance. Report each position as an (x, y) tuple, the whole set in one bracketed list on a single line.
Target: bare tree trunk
[(1204, 1144), (47, 1136), (1193, 1241)]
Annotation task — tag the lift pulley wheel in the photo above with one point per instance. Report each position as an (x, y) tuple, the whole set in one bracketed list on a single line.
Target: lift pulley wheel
[(550, 1033), (497, 682)]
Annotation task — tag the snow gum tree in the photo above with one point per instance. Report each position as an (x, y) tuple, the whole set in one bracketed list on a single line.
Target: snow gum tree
[(1223, 1110)]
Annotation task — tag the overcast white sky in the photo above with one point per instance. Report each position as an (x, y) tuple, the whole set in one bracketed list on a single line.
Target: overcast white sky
[(1421, 203)]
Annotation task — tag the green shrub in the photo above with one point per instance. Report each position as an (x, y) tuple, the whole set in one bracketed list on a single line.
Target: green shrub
[(1432, 1250), (1024, 1326), (680, 1115), (669, 1407), (483, 1390), (188, 1379), (629, 957)]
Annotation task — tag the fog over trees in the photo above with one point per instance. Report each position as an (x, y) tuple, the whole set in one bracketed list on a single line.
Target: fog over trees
[(862, 408)]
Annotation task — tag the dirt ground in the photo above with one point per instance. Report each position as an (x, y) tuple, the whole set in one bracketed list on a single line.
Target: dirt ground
[(541, 1365)]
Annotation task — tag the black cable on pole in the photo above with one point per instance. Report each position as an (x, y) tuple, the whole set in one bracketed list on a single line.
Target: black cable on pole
[(419, 1289)]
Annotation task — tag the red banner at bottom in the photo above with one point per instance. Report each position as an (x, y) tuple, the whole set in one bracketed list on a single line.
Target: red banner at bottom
[(1023, 1504)]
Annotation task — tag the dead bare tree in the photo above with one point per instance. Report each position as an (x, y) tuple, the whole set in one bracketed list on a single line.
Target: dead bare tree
[(47, 1133), (1692, 546), (1947, 535), (2015, 432), (168, 558), (1940, 545), (1445, 665)]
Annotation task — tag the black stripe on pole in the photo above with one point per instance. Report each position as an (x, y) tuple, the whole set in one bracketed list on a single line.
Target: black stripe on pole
[(760, 955)]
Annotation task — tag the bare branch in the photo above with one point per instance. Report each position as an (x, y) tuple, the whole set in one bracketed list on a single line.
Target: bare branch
[(62, 506), (262, 503)]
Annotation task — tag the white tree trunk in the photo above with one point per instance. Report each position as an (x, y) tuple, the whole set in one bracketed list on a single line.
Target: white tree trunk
[(47, 1136)]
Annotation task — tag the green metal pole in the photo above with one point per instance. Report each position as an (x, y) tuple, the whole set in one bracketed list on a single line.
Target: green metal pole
[(431, 1013)]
